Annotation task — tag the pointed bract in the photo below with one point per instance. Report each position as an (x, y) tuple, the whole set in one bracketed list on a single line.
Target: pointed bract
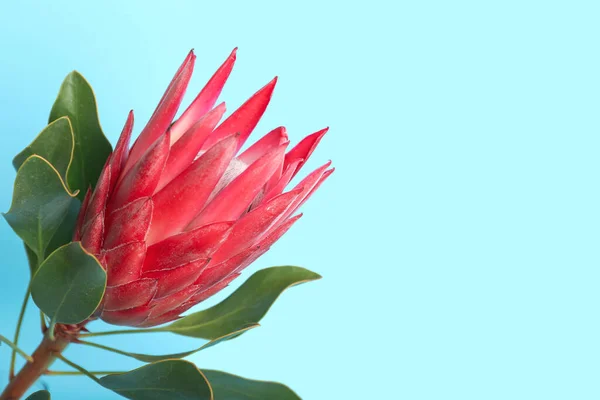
[(128, 224), (126, 263), (141, 180), (165, 112), (304, 149), (270, 141), (283, 180), (205, 100), (130, 295), (129, 317), (230, 203), (244, 119), (175, 279), (186, 247), (165, 304), (119, 156), (81, 216), (185, 196), (250, 228), (183, 153)]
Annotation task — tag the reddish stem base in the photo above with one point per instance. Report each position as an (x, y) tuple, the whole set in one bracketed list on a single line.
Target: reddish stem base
[(43, 357)]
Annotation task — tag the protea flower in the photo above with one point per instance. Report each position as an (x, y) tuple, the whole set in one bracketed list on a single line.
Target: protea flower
[(177, 217)]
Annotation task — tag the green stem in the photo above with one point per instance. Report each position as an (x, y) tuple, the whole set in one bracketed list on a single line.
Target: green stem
[(43, 357), (121, 332), (51, 328), (16, 348), (77, 373), (100, 346), (13, 357), (79, 368), (43, 322)]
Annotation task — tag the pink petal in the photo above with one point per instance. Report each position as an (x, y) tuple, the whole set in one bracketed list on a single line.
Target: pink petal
[(142, 179), (214, 273), (270, 141), (266, 243), (325, 175), (245, 118), (81, 216), (273, 180), (163, 305), (93, 234), (186, 247), (97, 203), (178, 202), (214, 289), (184, 151), (128, 224), (205, 100), (285, 178), (132, 294), (175, 279), (231, 202), (308, 183), (119, 156), (164, 113), (166, 317), (160, 316), (163, 319), (131, 317), (124, 263), (304, 149), (253, 225), (277, 232)]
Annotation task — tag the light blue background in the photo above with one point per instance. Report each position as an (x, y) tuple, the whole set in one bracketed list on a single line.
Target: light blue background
[(458, 238)]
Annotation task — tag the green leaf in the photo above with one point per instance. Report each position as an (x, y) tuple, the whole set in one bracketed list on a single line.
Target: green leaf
[(64, 233), (31, 259), (69, 285), (76, 100), (232, 387), (163, 380), (246, 306), (40, 395), (40, 203), (153, 358), (55, 143)]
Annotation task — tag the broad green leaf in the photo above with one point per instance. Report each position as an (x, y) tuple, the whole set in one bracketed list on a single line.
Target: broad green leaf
[(69, 285), (55, 143), (153, 358), (31, 259), (40, 395), (232, 387), (163, 380), (246, 306), (64, 233), (76, 100), (40, 203)]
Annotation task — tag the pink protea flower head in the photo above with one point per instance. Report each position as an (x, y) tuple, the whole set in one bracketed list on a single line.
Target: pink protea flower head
[(176, 218)]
